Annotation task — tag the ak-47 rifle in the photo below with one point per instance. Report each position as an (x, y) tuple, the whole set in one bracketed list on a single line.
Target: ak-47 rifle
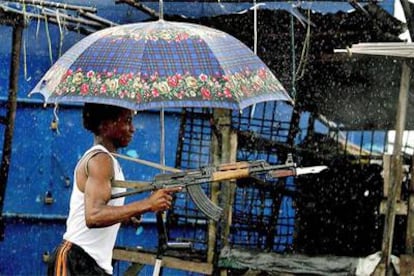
[(190, 180)]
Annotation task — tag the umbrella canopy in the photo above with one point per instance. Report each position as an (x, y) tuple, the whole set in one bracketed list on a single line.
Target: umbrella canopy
[(161, 64)]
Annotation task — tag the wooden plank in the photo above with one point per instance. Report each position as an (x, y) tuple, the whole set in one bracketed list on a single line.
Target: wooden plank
[(401, 208), (409, 240), (228, 190), (386, 173), (406, 265), (133, 269), (148, 258), (380, 270)]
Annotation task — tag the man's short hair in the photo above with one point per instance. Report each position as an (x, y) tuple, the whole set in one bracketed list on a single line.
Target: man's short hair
[(94, 114)]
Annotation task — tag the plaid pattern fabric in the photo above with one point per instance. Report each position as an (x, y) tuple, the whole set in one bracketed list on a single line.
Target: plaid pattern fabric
[(162, 64)]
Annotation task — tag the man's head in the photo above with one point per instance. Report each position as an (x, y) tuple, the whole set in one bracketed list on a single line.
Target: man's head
[(110, 122)]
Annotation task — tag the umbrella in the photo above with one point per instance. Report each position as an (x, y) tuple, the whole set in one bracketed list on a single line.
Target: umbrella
[(161, 64)]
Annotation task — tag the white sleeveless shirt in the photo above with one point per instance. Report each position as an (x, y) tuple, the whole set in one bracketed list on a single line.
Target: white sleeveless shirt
[(97, 242)]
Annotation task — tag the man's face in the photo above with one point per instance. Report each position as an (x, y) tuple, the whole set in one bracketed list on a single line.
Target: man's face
[(122, 129)]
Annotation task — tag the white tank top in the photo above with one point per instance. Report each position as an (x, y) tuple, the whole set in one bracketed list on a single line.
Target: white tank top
[(97, 242)]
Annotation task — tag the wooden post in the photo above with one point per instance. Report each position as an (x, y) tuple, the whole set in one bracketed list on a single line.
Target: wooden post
[(10, 116), (223, 147), (228, 190), (386, 167), (294, 126), (395, 174), (409, 239)]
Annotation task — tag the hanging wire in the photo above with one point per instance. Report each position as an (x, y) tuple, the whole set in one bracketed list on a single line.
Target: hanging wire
[(162, 113), (255, 32), (162, 138), (38, 26), (60, 32), (48, 40), (24, 58), (252, 110), (255, 27), (24, 46), (55, 122), (293, 53), (305, 51), (161, 10)]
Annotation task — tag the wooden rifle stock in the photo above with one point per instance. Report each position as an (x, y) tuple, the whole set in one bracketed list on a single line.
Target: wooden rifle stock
[(231, 171), (283, 173)]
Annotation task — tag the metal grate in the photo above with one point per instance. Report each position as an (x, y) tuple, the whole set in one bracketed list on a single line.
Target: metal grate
[(193, 152), (263, 216)]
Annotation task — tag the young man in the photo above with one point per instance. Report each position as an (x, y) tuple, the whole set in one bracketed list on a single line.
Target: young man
[(94, 219)]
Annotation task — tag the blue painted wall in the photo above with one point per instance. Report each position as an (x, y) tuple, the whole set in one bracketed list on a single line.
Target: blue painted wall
[(43, 159)]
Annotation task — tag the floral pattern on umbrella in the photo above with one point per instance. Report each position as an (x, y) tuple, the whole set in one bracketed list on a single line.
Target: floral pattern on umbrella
[(161, 64)]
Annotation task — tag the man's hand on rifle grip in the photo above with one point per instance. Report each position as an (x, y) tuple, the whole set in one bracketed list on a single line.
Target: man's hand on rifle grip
[(161, 200)]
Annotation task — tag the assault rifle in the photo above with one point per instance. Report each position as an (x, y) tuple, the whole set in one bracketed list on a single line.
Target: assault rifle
[(190, 180)]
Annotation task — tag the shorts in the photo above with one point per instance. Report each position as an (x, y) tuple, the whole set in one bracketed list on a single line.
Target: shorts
[(70, 259)]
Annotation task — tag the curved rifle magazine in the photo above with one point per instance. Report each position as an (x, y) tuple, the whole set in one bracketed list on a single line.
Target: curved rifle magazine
[(204, 203)]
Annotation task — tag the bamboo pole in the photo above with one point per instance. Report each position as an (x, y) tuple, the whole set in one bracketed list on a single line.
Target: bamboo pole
[(140, 7), (50, 4), (50, 13), (99, 19)]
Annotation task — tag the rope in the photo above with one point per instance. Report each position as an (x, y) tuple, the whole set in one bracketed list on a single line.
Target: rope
[(48, 40), (60, 32)]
